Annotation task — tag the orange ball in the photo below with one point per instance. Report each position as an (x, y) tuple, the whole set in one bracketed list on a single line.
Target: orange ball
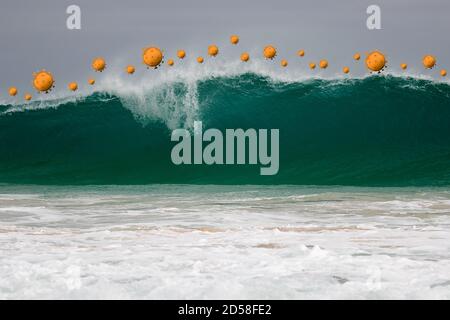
[(130, 69), (200, 60), (152, 57), (234, 39), (213, 50), (98, 64), (323, 64), (429, 61), (181, 54), (43, 81), (375, 61), (245, 57), (269, 52), (12, 91), (73, 86)]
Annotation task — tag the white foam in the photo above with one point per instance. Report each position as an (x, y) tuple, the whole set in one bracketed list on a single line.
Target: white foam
[(176, 242)]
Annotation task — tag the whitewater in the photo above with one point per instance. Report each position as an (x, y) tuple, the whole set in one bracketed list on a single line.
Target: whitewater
[(219, 242)]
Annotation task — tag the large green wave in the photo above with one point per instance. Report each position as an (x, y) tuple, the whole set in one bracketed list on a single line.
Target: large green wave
[(377, 131)]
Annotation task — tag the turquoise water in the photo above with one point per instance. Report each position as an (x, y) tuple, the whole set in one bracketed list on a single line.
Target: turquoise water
[(377, 131)]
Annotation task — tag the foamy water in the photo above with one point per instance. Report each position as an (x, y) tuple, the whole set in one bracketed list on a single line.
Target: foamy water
[(176, 242)]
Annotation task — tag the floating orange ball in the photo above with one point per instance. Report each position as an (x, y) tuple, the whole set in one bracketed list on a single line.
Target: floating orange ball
[(12, 91), (284, 63), (98, 64), (312, 65), (73, 86), (234, 39), (200, 59), (91, 81), (213, 50), (130, 69), (269, 52), (375, 61), (346, 69), (301, 53), (152, 57), (43, 81), (245, 57), (181, 54), (27, 97), (404, 66), (443, 72), (170, 62), (429, 61), (356, 56), (323, 64)]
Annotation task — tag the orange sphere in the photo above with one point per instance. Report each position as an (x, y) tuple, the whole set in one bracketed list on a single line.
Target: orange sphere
[(301, 53), (98, 64), (269, 52), (213, 50), (356, 56), (12, 91), (43, 81), (404, 66), (91, 81), (429, 61), (234, 39), (312, 65), (323, 64), (130, 69), (346, 69), (73, 86), (181, 54), (200, 59), (284, 63), (443, 72), (152, 57), (245, 57), (27, 97), (375, 61), (170, 62)]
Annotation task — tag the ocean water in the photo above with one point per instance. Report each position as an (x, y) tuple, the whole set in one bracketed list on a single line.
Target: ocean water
[(375, 131), (91, 205), (255, 242)]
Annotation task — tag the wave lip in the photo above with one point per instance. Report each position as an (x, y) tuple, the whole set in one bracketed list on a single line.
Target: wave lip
[(374, 131)]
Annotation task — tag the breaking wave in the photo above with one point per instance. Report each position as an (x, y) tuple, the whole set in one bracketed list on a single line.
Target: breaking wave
[(374, 131)]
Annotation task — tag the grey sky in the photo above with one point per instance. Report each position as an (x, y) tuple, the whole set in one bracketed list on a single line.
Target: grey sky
[(33, 34)]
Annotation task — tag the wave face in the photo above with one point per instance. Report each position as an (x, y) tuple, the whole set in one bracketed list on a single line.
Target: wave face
[(376, 131)]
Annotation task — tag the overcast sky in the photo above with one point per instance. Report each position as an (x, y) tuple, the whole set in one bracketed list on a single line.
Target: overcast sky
[(33, 34)]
